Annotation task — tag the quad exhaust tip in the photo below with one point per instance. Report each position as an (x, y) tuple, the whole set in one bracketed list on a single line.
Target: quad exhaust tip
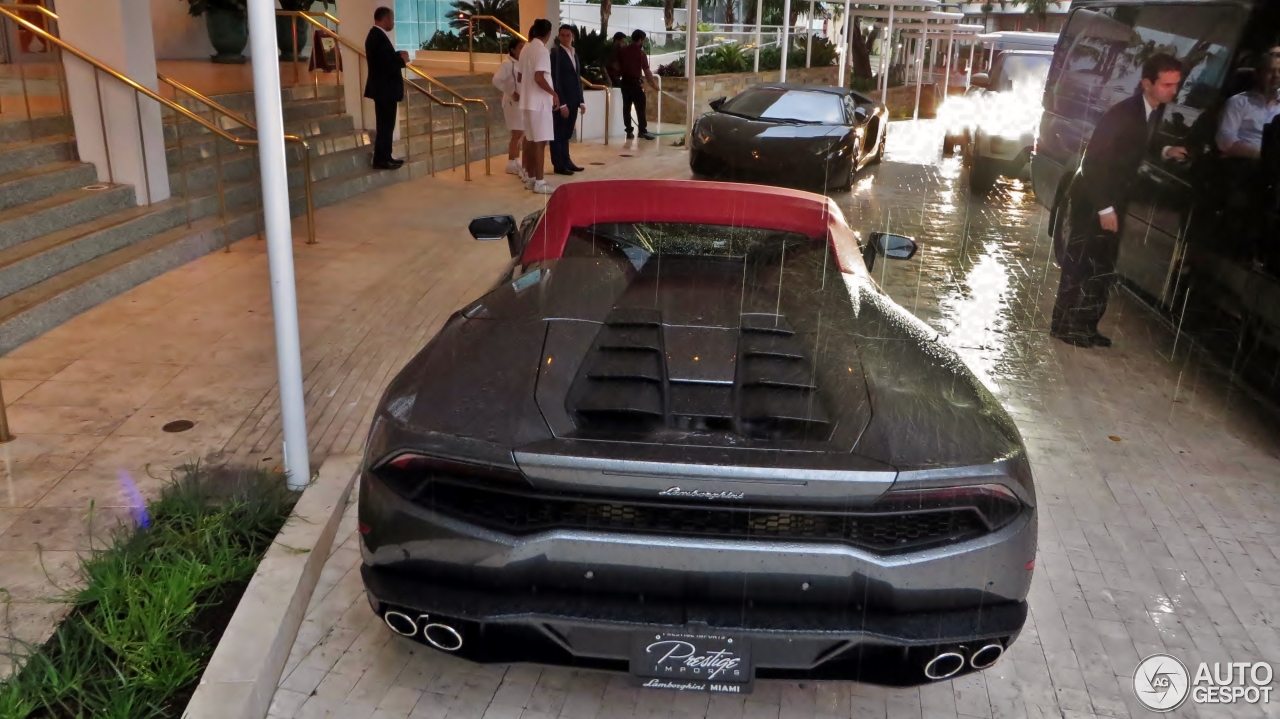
[(441, 636), (944, 666), (986, 656)]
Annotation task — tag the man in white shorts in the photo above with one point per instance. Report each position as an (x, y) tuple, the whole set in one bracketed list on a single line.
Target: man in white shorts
[(505, 80), (537, 101)]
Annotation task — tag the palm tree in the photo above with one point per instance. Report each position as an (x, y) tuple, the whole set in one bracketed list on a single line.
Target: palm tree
[(1039, 8), (507, 11), (606, 9)]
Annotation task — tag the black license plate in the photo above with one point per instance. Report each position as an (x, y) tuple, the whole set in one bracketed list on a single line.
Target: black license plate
[(683, 661)]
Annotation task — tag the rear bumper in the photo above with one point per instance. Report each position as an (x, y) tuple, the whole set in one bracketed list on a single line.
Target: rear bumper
[(786, 641), (814, 610), (798, 169), (1014, 152)]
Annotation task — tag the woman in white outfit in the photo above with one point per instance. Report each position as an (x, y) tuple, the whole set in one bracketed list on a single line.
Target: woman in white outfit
[(505, 80)]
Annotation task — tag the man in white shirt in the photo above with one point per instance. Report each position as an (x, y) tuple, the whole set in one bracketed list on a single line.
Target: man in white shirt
[(1240, 132), (537, 101)]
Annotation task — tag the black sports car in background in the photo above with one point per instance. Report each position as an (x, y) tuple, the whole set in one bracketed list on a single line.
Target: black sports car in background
[(687, 436), (798, 135)]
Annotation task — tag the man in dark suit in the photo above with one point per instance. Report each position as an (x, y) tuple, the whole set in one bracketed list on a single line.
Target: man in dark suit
[(1099, 196), (385, 86), (566, 77)]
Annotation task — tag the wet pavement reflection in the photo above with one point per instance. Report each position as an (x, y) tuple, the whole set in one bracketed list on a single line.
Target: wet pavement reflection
[(984, 270)]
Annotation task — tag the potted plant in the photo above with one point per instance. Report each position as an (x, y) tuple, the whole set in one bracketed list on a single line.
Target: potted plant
[(286, 26), (228, 24)]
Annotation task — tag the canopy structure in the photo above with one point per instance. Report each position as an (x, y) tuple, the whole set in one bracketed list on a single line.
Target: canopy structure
[(951, 31)]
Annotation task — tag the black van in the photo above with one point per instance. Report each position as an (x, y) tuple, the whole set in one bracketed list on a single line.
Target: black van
[(1201, 242)]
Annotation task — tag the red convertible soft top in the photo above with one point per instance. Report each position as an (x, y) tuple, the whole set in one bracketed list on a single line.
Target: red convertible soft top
[(580, 204)]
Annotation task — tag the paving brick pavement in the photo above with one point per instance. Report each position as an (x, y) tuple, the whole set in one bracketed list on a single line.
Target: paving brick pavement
[(1158, 489), (88, 399)]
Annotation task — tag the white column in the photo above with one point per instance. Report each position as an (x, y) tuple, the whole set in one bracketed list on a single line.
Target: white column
[(269, 112), (848, 43), (946, 79), (690, 70), (886, 59), (784, 37), (808, 39), (759, 22), (968, 76), (357, 18), (124, 136), (919, 62)]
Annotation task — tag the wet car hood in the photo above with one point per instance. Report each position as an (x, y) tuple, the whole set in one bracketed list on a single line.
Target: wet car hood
[(837, 367)]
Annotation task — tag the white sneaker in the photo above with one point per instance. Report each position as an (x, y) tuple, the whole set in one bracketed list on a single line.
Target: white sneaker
[(541, 188), (514, 168), (529, 183), (524, 176)]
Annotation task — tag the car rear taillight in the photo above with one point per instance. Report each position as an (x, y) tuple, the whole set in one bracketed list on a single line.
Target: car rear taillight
[(409, 473), (997, 504)]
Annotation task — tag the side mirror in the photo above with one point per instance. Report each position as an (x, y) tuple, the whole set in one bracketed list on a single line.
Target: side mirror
[(716, 103), (888, 245), (980, 79), (861, 115), (496, 227)]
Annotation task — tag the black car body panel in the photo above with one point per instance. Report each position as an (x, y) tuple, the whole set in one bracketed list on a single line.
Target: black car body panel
[(819, 155), (749, 442)]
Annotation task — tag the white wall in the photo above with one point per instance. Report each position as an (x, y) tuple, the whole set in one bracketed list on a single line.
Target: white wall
[(178, 36)]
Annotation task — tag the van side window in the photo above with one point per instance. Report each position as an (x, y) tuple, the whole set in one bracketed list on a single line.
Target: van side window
[(1104, 63)]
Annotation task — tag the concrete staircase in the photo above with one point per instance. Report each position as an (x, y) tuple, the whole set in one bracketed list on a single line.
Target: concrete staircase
[(69, 241)]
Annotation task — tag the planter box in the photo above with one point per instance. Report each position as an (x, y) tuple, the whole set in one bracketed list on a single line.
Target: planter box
[(709, 87)]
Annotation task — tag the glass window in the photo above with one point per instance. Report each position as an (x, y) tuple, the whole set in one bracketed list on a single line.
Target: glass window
[(777, 104), (1017, 69), (640, 240)]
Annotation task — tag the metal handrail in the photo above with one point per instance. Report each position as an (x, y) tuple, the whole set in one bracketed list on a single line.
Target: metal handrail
[(466, 125), (488, 152), (142, 90), (471, 35), (607, 94), (240, 119)]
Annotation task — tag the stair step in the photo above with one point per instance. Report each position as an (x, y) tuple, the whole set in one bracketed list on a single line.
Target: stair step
[(16, 156), (242, 102), (37, 183), (342, 137), (31, 312), (294, 112), (60, 211), (38, 259), (28, 130)]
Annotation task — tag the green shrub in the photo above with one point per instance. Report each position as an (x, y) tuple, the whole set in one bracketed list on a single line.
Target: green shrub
[(155, 603)]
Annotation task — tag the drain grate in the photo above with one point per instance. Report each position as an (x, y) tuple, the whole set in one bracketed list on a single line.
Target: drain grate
[(178, 425)]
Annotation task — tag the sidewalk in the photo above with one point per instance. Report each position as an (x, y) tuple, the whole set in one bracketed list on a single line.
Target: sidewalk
[(88, 401), (1158, 490)]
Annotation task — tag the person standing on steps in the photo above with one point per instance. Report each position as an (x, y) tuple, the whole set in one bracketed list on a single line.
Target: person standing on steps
[(385, 85), (537, 101), (634, 66), (505, 80), (1099, 197), (566, 76)]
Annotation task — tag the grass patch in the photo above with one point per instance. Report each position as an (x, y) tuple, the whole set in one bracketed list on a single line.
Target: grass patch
[(155, 602)]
